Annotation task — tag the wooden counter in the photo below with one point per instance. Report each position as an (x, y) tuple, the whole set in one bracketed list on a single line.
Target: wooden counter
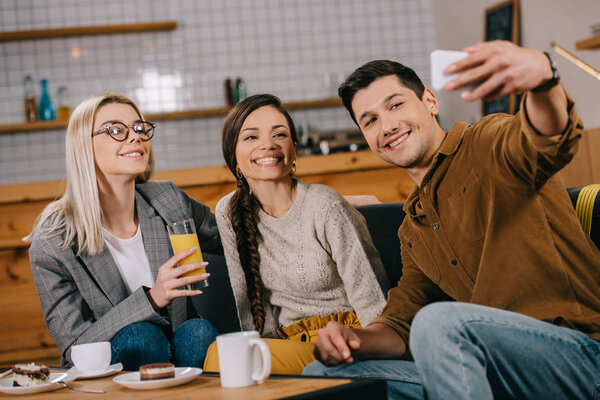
[(23, 335), (309, 168)]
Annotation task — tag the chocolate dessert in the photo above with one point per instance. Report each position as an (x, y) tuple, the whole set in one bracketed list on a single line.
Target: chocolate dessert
[(157, 371), (30, 374)]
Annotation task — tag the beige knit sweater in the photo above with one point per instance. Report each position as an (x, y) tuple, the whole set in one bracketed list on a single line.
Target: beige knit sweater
[(316, 260)]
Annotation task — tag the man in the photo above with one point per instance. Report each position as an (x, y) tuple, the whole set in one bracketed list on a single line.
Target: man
[(500, 293)]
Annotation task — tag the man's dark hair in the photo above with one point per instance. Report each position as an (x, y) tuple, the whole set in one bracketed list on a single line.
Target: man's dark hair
[(366, 74)]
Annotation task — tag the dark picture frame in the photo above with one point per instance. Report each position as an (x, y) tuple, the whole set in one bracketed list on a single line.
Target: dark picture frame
[(502, 22)]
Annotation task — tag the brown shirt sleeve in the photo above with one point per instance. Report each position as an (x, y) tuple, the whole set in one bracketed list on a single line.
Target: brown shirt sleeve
[(413, 292), (518, 149)]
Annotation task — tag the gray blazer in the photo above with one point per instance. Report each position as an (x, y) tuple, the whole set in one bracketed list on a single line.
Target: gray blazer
[(84, 298)]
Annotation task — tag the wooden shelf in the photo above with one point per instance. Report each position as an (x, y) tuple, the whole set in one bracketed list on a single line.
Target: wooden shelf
[(88, 30), (201, 113), (589, 43), (311, 165), (323, 103), (33, 126)]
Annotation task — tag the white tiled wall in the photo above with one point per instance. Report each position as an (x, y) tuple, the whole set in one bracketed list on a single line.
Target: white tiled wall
[(296, 49)]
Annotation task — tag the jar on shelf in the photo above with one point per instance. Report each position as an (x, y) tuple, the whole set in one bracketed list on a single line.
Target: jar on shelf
[(64, 111), (229, 93), (30, 103)]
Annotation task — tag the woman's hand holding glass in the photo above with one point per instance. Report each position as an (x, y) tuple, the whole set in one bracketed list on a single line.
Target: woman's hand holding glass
[(170, 279)]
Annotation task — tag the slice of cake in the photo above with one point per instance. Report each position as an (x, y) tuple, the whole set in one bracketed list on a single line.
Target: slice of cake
[(157, 371), (30, 374)]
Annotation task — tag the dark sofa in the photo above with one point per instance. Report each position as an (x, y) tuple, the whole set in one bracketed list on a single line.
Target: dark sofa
[(383, 220)]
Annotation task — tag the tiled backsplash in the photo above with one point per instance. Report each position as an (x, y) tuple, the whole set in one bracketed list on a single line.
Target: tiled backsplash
[(296, 49)]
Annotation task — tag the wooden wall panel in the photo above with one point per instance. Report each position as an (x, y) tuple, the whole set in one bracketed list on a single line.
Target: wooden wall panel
[(584, 169), (578, 172), (22, 327), (389, 185), (594, 143), (209, 195), (16, 221)]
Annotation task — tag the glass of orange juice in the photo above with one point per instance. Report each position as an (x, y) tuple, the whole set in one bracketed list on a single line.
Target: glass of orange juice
[(183, 237)]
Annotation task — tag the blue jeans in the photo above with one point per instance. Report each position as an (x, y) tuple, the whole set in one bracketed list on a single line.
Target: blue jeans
[(402, 378), (466, 351), (144, 343)]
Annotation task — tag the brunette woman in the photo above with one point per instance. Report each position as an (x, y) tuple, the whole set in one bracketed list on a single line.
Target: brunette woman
[(298, 254)]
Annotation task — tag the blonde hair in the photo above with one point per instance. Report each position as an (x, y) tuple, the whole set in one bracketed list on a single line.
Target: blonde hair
[(77, 216)]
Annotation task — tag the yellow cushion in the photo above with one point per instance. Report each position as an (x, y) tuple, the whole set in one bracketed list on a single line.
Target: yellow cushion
[(585, 206)]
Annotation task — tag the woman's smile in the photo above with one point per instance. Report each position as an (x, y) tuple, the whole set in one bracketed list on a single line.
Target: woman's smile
[(268, 161), (135, 154), (265, 150)]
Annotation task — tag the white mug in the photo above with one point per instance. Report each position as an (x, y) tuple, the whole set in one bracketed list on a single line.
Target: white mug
[(240, 355), (90, 357)]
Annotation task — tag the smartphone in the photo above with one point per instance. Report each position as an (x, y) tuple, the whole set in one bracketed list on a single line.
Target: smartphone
[(440, 59)]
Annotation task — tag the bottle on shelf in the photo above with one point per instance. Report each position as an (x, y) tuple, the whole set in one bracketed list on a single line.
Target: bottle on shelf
[(64, 111), (229, 92), (45, 111), (240, 90), (30, 103)]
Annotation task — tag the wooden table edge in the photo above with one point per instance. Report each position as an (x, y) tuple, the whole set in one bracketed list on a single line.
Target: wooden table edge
[(375, 386)]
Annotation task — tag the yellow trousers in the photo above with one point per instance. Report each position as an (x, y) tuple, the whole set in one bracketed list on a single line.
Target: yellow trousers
[(288, 357), (294, 351)]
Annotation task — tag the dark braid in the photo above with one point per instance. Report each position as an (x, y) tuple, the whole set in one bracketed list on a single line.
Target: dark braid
[(244, 207), (244, 219)]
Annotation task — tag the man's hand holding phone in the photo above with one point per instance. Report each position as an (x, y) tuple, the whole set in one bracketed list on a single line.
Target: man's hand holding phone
[(490, 70)]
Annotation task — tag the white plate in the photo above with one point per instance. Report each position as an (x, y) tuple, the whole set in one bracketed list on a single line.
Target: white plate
[(182, 375), (110, 370), (6, 385)]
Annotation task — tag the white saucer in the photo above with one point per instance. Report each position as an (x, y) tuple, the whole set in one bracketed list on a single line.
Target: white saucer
[(182, 375), (110, 370), (6, 385)]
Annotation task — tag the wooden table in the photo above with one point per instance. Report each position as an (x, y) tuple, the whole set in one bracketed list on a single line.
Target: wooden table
[(209, 387)]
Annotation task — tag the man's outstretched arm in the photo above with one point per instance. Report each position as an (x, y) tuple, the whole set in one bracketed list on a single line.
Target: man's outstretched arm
[(499, 68)]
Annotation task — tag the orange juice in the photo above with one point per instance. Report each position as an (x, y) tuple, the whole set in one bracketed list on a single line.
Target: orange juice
[(181, 242)]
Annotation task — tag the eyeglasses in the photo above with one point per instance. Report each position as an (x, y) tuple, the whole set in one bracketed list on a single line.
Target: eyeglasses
[(120, 132)]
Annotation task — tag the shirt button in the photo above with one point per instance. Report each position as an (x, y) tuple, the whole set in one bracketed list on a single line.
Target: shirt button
[(436, 226), (453, 262), (463, 189)]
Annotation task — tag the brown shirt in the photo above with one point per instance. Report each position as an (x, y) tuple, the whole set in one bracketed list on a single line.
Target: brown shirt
[(491, 224)]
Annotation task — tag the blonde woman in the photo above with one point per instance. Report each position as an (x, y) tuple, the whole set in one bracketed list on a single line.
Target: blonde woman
[(100, 255)]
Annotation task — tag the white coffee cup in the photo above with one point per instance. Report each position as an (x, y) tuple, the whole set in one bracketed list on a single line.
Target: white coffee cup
[(244, 359), (90, 357)]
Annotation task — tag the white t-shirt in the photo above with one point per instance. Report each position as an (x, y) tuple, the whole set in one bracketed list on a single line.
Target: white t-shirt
[(130, 257)]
